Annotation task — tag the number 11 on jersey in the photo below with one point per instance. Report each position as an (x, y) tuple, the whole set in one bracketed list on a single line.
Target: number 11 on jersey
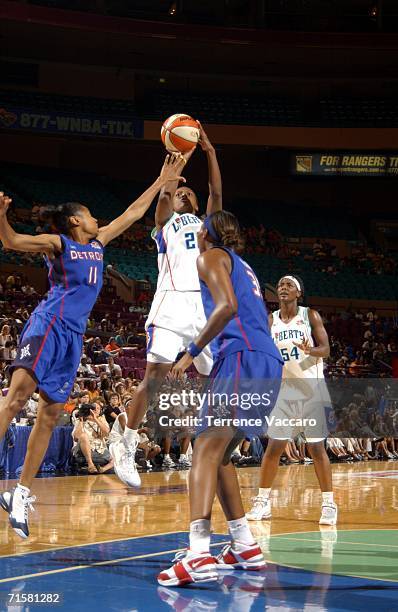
[(92, 276)]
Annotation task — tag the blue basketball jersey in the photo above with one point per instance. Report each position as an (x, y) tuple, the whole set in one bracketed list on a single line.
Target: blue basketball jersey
[(249, 329), (75, 278)]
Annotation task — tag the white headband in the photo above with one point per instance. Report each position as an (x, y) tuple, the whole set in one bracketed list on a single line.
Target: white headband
[(294, 280)]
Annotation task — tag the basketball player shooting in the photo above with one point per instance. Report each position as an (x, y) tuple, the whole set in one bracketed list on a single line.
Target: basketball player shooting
[(177, 314)]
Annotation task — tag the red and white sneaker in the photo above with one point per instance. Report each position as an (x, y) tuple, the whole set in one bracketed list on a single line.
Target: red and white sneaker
[(241, 556), (189, 567)]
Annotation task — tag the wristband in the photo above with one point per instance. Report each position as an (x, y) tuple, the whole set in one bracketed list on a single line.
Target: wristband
[(193, 350)]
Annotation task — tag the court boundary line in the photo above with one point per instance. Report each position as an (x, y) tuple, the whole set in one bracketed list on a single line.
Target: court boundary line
[(152, 535), (97, 563), (344, 541)]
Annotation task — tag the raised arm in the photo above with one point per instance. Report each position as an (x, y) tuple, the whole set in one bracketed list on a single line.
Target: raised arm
[(43, 243), (170, 172), (214, 268), (214, 202), (164, 207)]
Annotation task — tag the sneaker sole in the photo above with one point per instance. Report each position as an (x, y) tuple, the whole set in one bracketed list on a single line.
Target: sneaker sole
[(242, 566), (176, 582), (135, 484), (332, 522), (18, 531), (266, 517)]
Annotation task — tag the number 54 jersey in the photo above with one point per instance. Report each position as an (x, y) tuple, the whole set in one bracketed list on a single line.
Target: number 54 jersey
[(296, 363)]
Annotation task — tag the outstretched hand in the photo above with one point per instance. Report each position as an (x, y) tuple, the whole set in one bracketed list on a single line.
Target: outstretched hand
[(5, 202), (204, 141), (172, 168)]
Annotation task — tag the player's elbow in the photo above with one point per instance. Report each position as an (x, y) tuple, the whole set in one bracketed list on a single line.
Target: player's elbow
[(326, 352), (229, 310)]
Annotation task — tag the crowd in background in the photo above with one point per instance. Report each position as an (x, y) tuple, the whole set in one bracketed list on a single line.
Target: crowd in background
[(363, 344)]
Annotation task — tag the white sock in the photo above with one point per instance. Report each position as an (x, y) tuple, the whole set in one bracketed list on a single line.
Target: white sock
[(327, 497), (24, 490), (264, 492), (182, 456), (199, 536), (240, 531), (130, 436), (167, 456)]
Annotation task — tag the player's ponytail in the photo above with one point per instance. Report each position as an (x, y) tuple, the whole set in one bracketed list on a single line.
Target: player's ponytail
[(223, 228), (59, 216)]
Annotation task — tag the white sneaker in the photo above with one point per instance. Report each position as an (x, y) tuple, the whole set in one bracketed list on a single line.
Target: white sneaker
[(241, 556), (168, 462), (124, 463), (184, 462), (261, 509), (19, 503), (329, 514)]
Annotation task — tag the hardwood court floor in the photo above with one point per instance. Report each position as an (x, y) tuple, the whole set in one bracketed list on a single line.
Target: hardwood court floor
[(80, 509), (96, 521)]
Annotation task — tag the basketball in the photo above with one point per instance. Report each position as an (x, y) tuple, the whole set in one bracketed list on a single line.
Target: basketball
[(180, 133)]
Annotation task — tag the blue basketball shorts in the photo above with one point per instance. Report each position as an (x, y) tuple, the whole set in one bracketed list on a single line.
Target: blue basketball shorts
[(51, 351), (241, 393)]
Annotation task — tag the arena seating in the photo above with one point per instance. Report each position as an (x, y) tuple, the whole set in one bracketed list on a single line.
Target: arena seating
[(221, 108), (29, 185)]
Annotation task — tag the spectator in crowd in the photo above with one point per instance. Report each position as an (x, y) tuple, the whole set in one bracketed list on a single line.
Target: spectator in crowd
[(112, 410), (90, 436)]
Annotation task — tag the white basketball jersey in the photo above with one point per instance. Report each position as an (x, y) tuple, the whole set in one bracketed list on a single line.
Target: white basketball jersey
[(296, 363), (177, 253)]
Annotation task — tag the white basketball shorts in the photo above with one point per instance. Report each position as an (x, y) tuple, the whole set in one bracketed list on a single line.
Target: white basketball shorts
[(175, 319), (292, 416)]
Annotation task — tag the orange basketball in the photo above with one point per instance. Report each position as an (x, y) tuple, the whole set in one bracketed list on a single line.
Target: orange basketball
[(180, 133)]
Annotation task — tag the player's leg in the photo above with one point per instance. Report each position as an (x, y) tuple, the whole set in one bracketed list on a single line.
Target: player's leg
[(243, 552), (167, 460), (23, 384), (162, 348), (19, 500), (183, 460), (196, 564), (261, 508), (123, 453), (323, 472)]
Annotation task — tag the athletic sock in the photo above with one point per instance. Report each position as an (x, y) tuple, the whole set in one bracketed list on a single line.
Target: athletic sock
[(24, 490), (327, 497), (240, 531), (130, 436), (264, 492), (199, 536)]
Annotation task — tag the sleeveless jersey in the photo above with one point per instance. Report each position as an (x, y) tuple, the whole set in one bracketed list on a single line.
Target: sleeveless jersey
[(296, 363), (248, 330), (75, 278), (177, 253)]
